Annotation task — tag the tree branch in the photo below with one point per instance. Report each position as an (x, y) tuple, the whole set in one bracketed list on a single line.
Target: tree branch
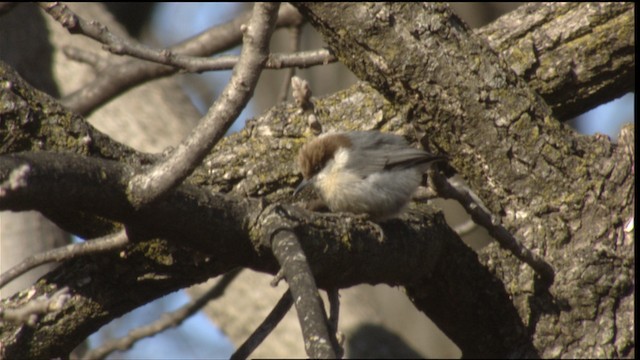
[(167, 321), (101, 288), (257, 337), (311, 314), (578, 225), (30, 312), (122, 76), (553, 47), (538, 178), (147, 187), (71, 251), (482, 217), (187, 217), (298, 59), (123, 46)]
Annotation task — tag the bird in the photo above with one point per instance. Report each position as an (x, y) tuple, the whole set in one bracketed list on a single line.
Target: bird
[(363, 172)]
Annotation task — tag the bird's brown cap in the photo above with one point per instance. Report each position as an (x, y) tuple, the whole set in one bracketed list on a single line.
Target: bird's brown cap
[(314, 155)]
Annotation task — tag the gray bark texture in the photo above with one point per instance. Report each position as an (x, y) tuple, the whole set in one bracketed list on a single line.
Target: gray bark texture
[(566, 196)]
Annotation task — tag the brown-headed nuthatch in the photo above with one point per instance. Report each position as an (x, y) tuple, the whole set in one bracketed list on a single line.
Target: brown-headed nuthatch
[(363, 171)]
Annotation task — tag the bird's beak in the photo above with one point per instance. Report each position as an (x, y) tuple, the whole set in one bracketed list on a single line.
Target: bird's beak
[(303, 184)]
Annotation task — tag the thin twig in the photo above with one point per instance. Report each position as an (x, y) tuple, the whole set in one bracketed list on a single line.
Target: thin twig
[(266, 327), (95, 246), (198, 64), (311, 314), (334, 316), (301, 59), (84, 56), (145, 188), (122, 76), (334, 307), (167, 321), (111, 42), (482, 216), (123, 46)]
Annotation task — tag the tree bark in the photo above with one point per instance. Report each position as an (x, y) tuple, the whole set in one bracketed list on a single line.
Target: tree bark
[(562, 193)]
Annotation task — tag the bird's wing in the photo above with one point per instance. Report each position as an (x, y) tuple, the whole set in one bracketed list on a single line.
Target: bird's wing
[(384, 152), (409, 157), (387, 158), (374, 139)]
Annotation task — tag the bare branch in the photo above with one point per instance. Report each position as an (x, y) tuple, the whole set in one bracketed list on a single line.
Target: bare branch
[(265, 328), (334, 316), (86, 57), (122, 76), (167, 321), (97, 31), (111, 42), (198, 64), (145, 188), (302, 59), (71, 251), (481, 216), (313, 320), (123, 46)]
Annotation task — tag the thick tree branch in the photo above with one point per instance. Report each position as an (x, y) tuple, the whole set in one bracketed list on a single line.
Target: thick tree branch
[(472, 307), (535, 175), (188, 217), (575, 55), (101, 288), (98, 187), (566, 229), (241, 225)]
